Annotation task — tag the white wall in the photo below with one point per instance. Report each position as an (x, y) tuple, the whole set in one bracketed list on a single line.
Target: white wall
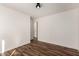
[(60, 29), (14, 28)]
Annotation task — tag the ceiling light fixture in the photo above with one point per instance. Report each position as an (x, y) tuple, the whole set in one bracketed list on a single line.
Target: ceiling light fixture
[(38, 5)]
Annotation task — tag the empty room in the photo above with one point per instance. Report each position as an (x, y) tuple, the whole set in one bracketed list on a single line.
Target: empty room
[(39, 29)]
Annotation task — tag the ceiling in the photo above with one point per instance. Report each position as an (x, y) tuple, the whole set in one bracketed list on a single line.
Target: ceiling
[(46, 8)]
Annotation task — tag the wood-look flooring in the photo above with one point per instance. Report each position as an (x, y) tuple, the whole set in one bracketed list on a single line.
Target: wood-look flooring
[(42, 49)]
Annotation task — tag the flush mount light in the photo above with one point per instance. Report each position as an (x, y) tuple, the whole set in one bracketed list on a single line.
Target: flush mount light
[(38, 5)]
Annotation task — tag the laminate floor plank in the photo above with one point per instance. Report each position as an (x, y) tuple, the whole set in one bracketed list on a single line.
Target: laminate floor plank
[(50, 51), (39, 48)]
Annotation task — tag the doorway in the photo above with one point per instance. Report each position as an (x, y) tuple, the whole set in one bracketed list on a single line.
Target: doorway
[(33, 29)]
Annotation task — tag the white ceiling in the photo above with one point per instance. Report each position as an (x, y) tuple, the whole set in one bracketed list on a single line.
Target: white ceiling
[(46, 8)]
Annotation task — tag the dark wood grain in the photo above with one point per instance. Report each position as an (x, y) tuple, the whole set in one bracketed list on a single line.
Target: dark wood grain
[(39, 48)]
